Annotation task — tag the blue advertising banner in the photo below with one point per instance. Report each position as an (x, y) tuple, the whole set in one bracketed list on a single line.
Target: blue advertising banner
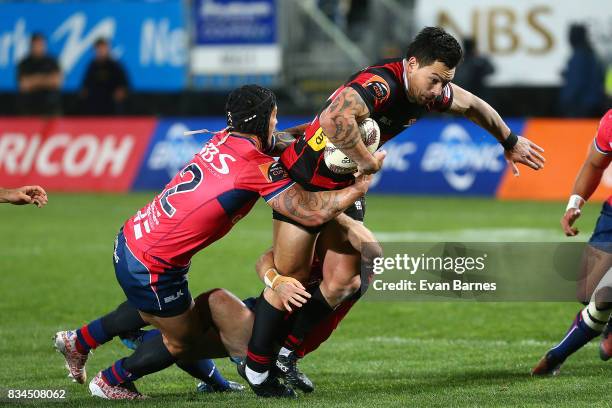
[(169, 149), (148, 38), (222, 22), (447, 157), (235, 37)]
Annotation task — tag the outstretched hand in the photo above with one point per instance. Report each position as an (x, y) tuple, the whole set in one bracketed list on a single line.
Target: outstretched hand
[(525, 152), (25, 195)]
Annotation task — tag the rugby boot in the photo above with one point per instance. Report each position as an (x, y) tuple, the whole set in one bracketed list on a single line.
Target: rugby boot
[(547, 366), (271, 387), (65, 343), (126, 391), (287, 369)]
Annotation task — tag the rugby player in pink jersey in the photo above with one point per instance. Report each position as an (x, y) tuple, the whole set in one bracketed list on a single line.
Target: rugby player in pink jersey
[(595, 289), (153, 249)]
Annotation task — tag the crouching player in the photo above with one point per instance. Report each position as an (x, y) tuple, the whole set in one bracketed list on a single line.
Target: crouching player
[(231, 320), (201, 204), (595, 288)]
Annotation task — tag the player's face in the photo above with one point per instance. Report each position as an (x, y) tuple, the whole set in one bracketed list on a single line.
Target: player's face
[(425, 83), (272, 125)]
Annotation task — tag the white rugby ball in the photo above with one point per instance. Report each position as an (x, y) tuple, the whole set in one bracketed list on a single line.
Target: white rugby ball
[(339, 162)]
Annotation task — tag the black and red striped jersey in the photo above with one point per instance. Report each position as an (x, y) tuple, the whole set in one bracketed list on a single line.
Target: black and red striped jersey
[(383, 88)]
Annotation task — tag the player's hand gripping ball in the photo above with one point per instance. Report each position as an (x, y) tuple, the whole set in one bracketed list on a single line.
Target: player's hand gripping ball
[(339, 162)]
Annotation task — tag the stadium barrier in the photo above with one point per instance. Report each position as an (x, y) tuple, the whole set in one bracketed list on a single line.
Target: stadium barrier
[(435, 157)]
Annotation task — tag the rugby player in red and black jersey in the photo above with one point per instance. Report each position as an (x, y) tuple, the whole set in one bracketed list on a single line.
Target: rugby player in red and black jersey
[(395, 93), (201, 204)]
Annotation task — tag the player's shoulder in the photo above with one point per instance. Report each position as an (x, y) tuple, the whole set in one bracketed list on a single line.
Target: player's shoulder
[(603, 138), (380, 83)]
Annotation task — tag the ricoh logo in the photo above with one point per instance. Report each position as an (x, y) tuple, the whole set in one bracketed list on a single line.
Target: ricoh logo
[(71, 155), (460, 159)]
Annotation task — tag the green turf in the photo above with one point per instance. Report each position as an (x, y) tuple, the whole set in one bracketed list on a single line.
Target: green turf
[(57, 274)]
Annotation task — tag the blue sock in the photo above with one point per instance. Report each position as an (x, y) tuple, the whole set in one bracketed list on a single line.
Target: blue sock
[(206, 371), (116, 374), (577, 336), (91, 336)]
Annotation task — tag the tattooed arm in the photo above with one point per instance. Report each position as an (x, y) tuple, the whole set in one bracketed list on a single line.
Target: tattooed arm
[(286, 137), (339, 123), (316, 208)]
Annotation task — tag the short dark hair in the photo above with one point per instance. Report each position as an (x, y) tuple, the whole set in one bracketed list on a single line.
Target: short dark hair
[(434, 44), (37, 36), (100, 41)]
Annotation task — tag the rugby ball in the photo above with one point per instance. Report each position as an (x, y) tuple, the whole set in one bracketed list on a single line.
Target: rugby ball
[(340, 163)]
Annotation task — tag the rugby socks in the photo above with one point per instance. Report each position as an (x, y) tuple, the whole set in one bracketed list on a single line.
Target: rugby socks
[(307, 317), (588, 324), (206, 371), (91, 336), (150, 357), (265, 332), (116, 374), (124, 318)]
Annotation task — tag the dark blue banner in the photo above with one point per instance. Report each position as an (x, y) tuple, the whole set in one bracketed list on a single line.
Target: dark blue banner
[(148, 38), (169, 149), (224, 22), (451, 157)]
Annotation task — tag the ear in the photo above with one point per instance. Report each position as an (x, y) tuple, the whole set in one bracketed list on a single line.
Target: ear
[(412, 64)]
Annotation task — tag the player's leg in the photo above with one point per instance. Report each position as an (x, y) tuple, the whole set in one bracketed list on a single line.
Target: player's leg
[(166, 304), (75, 345), (293, 251), (341, 259), (339, 247)]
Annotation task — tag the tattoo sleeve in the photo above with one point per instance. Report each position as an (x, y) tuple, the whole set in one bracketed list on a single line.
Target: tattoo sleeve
[(339, 122), (314, 208)]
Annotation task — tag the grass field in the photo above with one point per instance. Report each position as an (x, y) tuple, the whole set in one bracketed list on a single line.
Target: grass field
[(57, 274)]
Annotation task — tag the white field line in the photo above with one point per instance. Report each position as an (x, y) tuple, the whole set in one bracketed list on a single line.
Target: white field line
[(461, 342), (478, 235)]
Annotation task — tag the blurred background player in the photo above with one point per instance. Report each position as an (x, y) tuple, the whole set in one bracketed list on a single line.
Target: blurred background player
[(395, 93), (153, 250), (40, 80), (24, 195), (583, 91), (596, 282), (475, 69), (105, 85)]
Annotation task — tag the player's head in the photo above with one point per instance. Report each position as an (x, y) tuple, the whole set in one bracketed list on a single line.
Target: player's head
[(102, 48), (252, 109), (430, 63), (38, 45)]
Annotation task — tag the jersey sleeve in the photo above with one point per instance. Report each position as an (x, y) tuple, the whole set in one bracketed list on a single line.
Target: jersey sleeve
[(264, 176), (444, 101), (603, 139), (376, 88)]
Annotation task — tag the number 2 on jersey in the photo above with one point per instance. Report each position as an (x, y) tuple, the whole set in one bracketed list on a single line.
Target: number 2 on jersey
[(183, 187)]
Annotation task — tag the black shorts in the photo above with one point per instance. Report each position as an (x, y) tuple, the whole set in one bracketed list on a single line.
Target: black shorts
[(355, 211)]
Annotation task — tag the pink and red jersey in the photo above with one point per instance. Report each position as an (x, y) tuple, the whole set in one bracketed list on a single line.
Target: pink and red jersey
[(203, 202), (603, 139)]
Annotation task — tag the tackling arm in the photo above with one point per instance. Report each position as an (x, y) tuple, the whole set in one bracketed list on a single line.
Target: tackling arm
[(316, 208), (283, 138), (517, 148), (339, 123)]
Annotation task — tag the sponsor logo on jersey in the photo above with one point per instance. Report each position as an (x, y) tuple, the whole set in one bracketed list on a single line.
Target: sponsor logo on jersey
[(174, 297), (318, 140), (273, 171), (378, 87)]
